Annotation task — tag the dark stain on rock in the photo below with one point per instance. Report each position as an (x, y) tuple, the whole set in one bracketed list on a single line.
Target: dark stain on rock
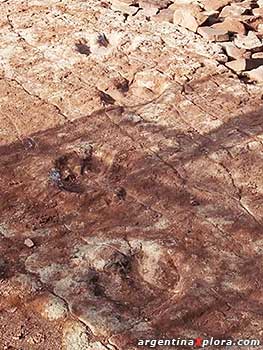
[(64, 177), (120, 263), (93, 281), (103, 40), (105, 98), (122, 85), (82, 47)]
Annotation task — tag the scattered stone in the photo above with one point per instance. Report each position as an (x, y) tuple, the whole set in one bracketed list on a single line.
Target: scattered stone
[(256, 74), (237, 66), (232, 25), (123, 6), (165, 15), (189, 16), (149, 9), (257, 55), (232, 11), (258, 11), (233, 51), (29, 243), (248, 42), (242, 64), (213, 34), (215, 4), (247, 4)]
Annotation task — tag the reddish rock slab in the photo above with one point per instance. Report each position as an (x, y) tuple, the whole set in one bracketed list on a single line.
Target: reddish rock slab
[(130, 180), (213, 33), (189, 16), (231, 25)]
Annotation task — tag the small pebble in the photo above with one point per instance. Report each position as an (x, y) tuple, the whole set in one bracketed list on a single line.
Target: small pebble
[(29, 243)]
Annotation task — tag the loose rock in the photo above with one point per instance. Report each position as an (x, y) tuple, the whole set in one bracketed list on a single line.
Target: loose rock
[(29, 243), (213, 34), (232, 11), (189, 16), (245, 64), (237, 65), (231, 25), (233, 51), (248, 42), (124, 7), (256, 74)]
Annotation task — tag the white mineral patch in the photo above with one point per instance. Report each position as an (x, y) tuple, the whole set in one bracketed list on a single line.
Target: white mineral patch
[(54, 309), (75, 337)]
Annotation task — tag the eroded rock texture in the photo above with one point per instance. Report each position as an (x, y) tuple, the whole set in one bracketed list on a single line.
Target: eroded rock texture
[(130, 180)]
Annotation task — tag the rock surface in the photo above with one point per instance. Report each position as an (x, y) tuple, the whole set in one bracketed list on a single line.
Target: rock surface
[(189, 16), (132, 159), (213, 34)]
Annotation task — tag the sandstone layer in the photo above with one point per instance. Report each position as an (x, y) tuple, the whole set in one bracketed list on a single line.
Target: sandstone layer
[(131, 166)]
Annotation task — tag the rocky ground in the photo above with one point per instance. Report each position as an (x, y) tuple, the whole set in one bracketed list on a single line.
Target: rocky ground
[(130, 172)]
